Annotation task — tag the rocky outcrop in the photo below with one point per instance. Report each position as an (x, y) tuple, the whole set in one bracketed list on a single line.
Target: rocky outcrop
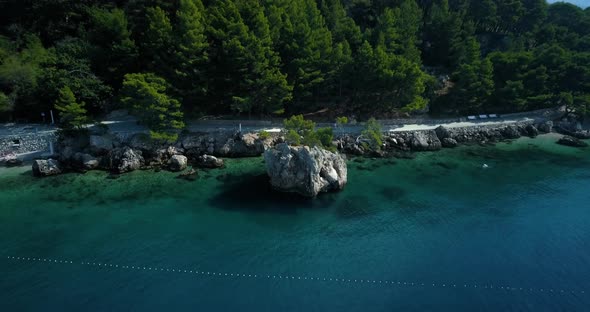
[(424, 140), (511, 132), (208, 161), (400, 143), (545, 127), (571, 141), (304, 170), (177, 163), (123, 159), (46, 167), (531, 130), (449, 143)]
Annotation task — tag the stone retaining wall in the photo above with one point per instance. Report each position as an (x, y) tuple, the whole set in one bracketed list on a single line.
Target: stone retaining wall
[(26, 143)]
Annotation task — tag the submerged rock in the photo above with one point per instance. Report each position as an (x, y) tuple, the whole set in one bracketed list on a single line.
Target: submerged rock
[(208, 161), (304, 170), (46, 167), (85, 161), (177, 163), (571, 141), (11, 161), (191, 175)]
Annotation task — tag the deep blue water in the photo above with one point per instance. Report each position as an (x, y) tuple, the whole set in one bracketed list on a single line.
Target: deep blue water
[(435, 233)]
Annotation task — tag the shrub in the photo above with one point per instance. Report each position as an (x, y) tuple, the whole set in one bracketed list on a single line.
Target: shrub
[(298, 124), (342, 121), (263, 135), (301, 131)]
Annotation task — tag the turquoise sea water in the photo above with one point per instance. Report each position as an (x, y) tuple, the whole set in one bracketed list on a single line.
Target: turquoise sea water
[(435, 233)]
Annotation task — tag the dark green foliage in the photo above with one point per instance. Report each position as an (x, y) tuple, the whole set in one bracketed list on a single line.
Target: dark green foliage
[(67, 65), (157, 42), (5, 104), (114, 52), (389, 82), (20, 72), (262, 57)]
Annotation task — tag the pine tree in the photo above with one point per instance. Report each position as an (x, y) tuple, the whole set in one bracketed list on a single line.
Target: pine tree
[(464, 47), (267, 86), (305, 46), (485, 13), (72, 114), (190, 57), (145, 95), (243, 50), (157, 43), (115, 52), (342, 26), (388, 35), (474, 85), (440, 27), (408, 19)]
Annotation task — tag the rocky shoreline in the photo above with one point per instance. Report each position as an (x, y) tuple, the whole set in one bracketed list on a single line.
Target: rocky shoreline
[(101, 150)]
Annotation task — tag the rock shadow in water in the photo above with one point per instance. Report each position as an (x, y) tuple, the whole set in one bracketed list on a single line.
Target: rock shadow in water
[(355, 206), (254, 193)]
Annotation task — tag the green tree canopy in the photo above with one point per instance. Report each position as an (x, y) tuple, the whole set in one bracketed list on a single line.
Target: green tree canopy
[(72, 114), (145, 95)]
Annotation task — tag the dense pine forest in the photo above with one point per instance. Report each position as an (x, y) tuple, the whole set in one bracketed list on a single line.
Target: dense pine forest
[(167, 60)]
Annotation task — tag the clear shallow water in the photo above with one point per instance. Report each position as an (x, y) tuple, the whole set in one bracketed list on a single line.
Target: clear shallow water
[(438, 219)]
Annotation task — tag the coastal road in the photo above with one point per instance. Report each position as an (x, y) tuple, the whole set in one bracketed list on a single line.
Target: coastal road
[(127, 124)]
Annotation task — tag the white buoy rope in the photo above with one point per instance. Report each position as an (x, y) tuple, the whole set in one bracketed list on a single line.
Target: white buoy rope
[(303, 278)]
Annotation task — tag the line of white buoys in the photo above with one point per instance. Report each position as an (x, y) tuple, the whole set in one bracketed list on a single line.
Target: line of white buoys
[(304, 278)]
